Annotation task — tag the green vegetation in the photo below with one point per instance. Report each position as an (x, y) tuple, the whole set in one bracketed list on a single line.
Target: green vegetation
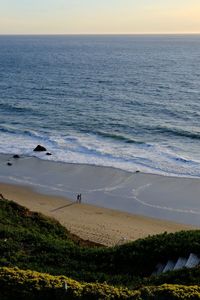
[(31, 241), (17, 284)]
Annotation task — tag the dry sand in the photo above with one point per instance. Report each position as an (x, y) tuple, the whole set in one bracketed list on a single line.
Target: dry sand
[(101, 225)]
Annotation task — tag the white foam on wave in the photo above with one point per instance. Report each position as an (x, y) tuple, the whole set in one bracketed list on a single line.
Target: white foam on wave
[(94, 150)]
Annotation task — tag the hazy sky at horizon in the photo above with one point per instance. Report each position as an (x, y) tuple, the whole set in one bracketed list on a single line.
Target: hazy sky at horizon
[(94, 16)]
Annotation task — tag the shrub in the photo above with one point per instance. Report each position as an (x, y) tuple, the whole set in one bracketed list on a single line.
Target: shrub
[(20, 285)]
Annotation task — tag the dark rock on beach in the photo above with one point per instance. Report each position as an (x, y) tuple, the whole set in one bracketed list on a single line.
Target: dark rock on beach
[(40, 148), (9, 163), (16, 156), (48, 153)]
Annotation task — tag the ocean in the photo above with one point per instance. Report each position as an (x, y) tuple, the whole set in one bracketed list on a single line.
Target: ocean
[(130, 102)]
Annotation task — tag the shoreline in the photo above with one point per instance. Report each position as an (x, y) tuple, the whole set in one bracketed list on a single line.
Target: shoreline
[(89, 222), (9, 157), (166, 198)]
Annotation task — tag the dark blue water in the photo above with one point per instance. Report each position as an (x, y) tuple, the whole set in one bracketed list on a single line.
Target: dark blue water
[(132, 102)]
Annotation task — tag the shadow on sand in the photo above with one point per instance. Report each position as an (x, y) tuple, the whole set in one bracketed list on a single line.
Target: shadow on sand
[(58, 208)]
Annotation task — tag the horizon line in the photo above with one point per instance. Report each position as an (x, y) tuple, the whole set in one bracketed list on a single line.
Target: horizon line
[(66, 34)]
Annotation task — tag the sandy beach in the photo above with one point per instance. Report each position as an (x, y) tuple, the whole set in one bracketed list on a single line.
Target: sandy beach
[(117, 206), (105, 226), (167, 198)]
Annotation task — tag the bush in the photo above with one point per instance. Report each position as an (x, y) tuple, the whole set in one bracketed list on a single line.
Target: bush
[(170, 292), (20, 285)]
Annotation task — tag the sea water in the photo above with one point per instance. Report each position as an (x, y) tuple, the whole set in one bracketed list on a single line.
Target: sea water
[(130, 102)]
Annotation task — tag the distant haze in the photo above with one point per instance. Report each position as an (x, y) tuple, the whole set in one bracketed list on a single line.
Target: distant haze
[(99, 17)]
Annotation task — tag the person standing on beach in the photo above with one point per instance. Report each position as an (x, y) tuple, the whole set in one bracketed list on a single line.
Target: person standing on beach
[(80, 198)]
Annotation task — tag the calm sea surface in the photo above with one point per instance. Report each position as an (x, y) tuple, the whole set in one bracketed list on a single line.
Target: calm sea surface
[(132, 102)]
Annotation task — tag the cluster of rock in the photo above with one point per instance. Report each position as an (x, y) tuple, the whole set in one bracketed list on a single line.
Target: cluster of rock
[(39, 148)]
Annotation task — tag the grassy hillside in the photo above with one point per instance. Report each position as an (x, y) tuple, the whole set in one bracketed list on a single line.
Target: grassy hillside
[(32, 241)]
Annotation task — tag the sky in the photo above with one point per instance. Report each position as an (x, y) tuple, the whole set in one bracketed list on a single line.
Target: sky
[(99, 16)]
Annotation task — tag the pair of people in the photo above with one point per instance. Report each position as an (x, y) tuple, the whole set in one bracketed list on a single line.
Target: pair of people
[(78, 198)]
